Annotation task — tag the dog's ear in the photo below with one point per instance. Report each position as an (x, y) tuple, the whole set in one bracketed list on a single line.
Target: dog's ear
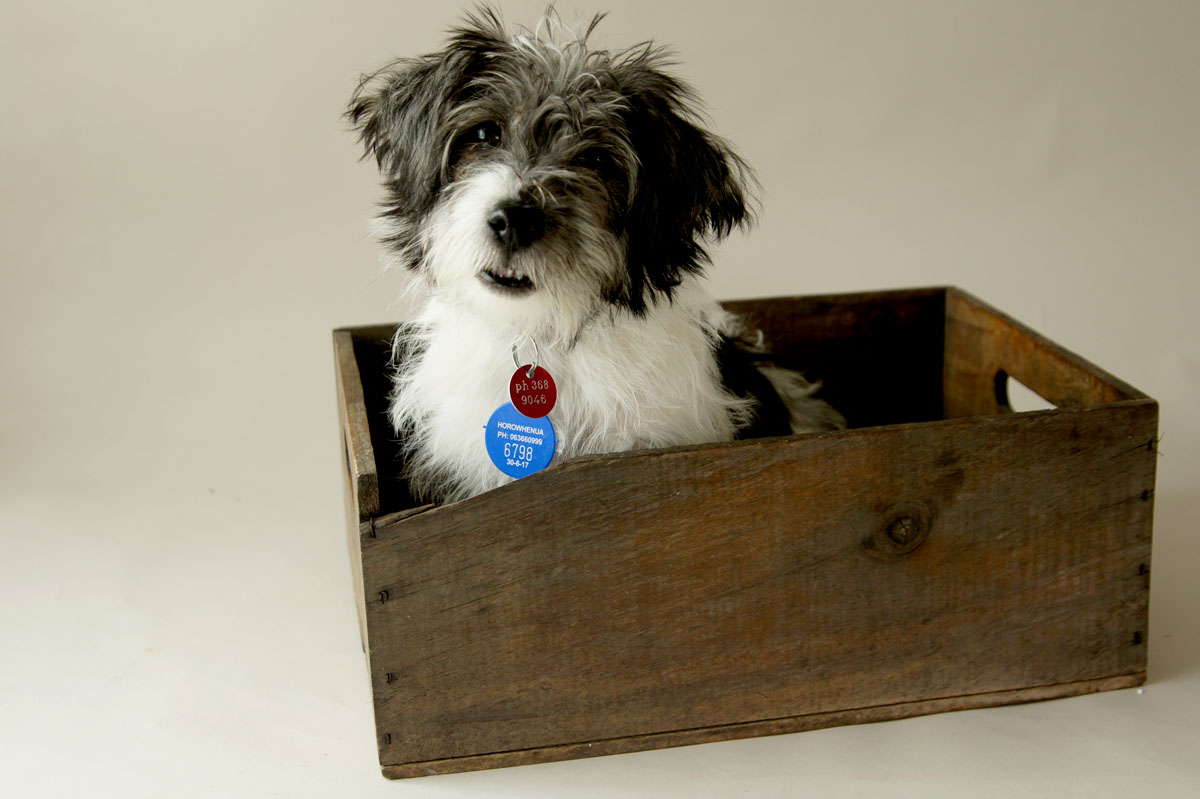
[(396, 113), (400, 111), (691, 186)]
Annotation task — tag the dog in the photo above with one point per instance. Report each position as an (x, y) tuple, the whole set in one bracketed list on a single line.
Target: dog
[(554, 200)]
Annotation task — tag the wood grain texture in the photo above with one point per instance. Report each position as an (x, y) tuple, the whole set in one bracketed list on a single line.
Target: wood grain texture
[(373, 350), (730, 732), (356, 429), (682, 589), (361, 484), (982, 342), (662, 597), (354, 533)]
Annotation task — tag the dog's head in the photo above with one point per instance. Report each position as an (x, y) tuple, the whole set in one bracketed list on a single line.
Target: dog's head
[(535, 181)]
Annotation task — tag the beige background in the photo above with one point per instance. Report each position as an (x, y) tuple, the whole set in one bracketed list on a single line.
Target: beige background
[(183, 220)]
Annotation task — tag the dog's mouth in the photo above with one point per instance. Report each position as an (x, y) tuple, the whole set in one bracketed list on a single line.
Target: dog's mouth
[(507, 279)]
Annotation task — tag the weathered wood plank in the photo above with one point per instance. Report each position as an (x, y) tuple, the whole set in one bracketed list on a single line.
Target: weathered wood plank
[(356, 430), (682, 589), (372, 350), (361, 484), (752, 729), (981, 342), (353, 546)]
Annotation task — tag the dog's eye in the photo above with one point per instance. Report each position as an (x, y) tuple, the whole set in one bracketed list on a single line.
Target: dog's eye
[(487, 133), (595, 159), (473, 143)]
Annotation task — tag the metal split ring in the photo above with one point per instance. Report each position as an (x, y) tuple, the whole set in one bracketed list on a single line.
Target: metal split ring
[(536, 357)]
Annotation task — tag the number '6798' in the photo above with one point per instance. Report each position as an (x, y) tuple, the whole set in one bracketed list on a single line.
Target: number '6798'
[(522, 452)]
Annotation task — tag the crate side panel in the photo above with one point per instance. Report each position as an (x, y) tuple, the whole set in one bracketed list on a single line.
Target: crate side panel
[(352, 417), (372, 353), (353, 537), (980, 342), (360, 483), (685, 589)]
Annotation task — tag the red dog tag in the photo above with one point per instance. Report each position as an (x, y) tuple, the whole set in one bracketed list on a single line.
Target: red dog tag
[(532, 391)]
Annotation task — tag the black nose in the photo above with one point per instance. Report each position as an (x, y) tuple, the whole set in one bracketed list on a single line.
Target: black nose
[(517, 226)]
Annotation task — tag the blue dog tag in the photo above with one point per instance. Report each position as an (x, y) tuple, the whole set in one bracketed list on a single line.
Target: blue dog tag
[(518, 445)]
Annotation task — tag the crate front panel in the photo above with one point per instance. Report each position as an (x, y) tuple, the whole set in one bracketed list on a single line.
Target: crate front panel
[(677, 590)]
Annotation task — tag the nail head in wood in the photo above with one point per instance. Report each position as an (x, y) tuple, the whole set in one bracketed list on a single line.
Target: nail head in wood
[(903, 530), (905, 527)]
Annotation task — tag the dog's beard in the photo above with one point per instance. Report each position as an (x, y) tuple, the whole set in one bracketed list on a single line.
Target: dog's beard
[(547, 290)]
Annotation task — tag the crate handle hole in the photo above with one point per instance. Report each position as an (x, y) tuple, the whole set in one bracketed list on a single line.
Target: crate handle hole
[(1013, 395)]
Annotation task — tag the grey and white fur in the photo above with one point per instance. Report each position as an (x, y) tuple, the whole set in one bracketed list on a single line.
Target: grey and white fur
[(542, 191)]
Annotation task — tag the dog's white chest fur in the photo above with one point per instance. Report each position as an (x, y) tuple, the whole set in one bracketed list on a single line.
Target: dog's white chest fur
[(625, 383)]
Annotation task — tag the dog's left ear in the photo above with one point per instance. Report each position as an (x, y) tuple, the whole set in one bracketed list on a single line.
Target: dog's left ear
[(691, 186)]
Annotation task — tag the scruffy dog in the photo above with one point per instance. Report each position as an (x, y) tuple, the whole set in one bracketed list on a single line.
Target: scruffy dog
[(554, 199)]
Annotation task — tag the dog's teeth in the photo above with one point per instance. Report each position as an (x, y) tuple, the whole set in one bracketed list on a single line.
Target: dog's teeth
[(507, 277)]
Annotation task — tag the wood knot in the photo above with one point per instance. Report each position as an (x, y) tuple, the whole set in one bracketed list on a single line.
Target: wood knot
[(905, 527)]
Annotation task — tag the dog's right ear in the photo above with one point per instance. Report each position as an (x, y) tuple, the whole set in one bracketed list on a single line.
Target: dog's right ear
[(400, 111), (397, 112)]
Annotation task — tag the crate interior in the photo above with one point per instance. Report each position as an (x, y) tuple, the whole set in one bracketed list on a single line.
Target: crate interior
[(879, 358)]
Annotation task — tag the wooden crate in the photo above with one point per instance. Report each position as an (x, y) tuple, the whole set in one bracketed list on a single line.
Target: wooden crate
[(943, 553)]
